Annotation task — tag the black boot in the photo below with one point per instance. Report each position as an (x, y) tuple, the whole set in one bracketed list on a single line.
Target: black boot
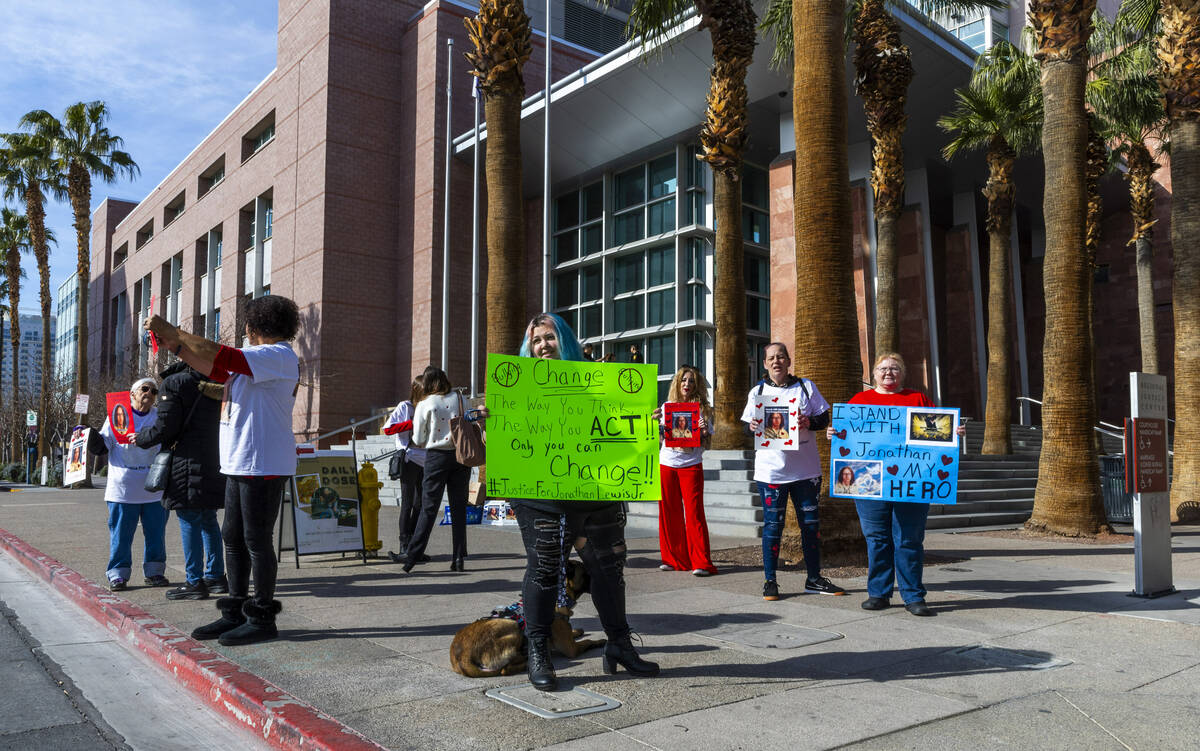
[(541, 667), (231, 618), (620, 650), (259, 625)]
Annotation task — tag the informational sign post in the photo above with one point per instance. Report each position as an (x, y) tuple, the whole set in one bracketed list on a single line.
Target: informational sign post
[(575, 431), (31, 418), (75, 460), (1151, 502), (326, 515), (894, 453), (81, 404)]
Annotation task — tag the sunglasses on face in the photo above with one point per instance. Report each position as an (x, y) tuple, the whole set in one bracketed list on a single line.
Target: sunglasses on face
[(147, 389)]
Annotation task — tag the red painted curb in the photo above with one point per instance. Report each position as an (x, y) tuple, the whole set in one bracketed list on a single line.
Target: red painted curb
[(265, 709)]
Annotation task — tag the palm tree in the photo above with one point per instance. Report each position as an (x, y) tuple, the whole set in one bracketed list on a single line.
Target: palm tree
[(1000, 111), (1067, 500), (84, 148), (27, 167), (500, 36), (731, 26), (15, 241)]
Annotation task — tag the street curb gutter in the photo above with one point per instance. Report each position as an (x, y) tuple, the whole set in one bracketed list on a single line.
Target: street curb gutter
[(262, 707)]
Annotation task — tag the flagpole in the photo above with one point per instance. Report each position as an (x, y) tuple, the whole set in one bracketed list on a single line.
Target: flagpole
[(546, 173), (446, 218), (475, 249)]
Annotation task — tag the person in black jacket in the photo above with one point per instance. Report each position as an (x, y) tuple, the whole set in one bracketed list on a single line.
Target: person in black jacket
[(195, 486)]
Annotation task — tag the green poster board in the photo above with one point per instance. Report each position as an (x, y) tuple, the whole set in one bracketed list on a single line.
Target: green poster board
[(572, 431)]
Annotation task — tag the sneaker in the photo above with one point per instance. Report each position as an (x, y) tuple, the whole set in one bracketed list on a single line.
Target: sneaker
[(701, 572), (197, 591), (665, 567), (771, 590), (823, 586), (217, 586), (158, 581), (117, 585)]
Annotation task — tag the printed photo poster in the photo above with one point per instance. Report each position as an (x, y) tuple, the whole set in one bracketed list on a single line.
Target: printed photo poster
[(894, 453), (682, 424), (326, 508), (75, 460), (120, 415), (778, 427), (575, 431)]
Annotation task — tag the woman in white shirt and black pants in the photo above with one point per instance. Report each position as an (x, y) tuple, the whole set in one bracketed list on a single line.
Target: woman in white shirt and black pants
[(443, 473)]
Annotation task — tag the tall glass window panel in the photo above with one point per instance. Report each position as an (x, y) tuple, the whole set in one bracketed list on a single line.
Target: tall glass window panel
[(565, 247), (662, 176), (629, 188), (757, 279), (569, 317), (590, 277), (629, 227), (627, 313), (590, 322), (662, 217), (660, 350), (565, 289), (593, 202), (566, 210), (694, 344), (755, 228), (627, 273), (755, 186), (758, 313), (593, 239), (662, 265), (661, 307)]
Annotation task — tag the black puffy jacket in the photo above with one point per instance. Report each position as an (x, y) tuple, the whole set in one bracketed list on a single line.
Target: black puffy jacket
[(196, 481)]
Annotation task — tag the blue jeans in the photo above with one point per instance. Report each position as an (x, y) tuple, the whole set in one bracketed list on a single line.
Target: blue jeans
[(203, 555), (895, 535), (804, 497), (122, 523)]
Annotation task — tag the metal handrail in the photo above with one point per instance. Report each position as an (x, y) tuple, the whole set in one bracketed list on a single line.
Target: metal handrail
[(1120, 436), (1105, 424), (350, 426)]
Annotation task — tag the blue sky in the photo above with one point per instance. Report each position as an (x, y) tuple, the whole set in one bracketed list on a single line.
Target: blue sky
[(169, 72)]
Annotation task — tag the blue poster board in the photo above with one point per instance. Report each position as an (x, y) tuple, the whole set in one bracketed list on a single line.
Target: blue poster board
[(894, 453)]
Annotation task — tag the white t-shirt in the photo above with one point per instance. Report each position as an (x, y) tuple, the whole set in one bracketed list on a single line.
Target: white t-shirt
[(256, 414), (777, 467), (128, 465), (404, 411)]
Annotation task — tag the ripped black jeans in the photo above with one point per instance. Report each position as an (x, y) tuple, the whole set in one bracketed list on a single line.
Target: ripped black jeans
[(599, 537)]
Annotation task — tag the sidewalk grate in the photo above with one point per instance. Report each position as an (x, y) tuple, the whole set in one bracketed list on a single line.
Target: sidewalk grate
[(553, 705), (1011, 658)]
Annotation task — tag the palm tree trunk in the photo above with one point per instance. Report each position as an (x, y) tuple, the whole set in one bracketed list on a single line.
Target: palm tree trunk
[(13, 270), (1185, 228), (34, 210), (1067, 500), (1144, 248), (826, 321), (999, 191), (729, 309), (1141, 208), (505, 223), (79, 186), (1097, 165)]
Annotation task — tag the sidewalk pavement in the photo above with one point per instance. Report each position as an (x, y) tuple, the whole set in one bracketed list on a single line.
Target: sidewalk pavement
[(1035, 645)]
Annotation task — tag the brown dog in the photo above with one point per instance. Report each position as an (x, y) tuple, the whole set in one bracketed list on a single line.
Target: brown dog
[(495, 645)]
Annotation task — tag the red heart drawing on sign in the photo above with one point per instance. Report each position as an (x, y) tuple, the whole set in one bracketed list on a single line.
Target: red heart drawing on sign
[(759, 434), (893, 469), (841, 434), (766, 443), (946, 460), (943, 474), (756, 406), (775, 399), (843, 450), (793, 414), (788, 442), (793, 401)]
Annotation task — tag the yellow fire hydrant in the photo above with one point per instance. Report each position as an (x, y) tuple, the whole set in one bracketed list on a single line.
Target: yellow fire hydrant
[(368, 488)]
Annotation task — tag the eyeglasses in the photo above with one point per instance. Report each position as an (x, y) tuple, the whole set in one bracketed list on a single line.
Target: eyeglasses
[(150, 389), (887, 370)]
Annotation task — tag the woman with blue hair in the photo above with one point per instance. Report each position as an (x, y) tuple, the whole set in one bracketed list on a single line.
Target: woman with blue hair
[(596, 529)]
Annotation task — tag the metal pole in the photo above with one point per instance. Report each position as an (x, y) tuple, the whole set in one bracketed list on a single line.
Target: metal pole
[(475, 249), (446, 218), (546, 174)]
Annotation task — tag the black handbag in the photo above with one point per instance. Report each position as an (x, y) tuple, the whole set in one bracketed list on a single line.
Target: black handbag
[(160, 469), (396, 464)]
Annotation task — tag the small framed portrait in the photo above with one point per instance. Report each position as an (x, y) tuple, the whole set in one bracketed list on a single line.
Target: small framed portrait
[(776, 423), (931, 426), (681, 424), (857, 479)]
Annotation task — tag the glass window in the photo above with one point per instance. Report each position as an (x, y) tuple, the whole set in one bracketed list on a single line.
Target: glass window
[(593, 239), (662, 217), (628, 227), (590, 319), (662, 307), (591, 283), (662, 265), (565, 289), (758, 313), (755, 187), (695, 302), (695, 208), (627, 313), (593, 202), (268, 220), (569, 317), (755, 228), (629, 188), (566, 211), (662, 176), (660, 350), (757, 271), (999, 32), (565, 247), (627, 273)]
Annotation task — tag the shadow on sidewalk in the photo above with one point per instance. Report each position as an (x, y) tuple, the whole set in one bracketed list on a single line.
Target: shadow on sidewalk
[(368, 632), (436, 582)]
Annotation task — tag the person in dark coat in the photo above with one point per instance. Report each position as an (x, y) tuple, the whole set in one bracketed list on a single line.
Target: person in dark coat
[(195, 486)]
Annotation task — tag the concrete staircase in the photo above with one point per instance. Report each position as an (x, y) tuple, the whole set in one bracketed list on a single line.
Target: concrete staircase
[(370, 447), (731, 502)]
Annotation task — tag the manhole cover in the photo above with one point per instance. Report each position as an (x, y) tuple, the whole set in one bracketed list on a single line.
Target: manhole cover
[(1011, 658), (771, 636), (553, 705)]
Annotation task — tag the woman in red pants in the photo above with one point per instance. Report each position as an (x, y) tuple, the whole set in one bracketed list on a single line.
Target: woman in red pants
[(682, 529)]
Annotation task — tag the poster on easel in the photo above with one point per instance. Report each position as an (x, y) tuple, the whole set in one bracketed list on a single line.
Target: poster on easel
[(120, 415), (75, 460), (326, 505)]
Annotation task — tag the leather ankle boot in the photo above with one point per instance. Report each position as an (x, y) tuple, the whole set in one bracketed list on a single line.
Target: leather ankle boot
[(231, 618), (541, 667), (259, 625), (620, 650)]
